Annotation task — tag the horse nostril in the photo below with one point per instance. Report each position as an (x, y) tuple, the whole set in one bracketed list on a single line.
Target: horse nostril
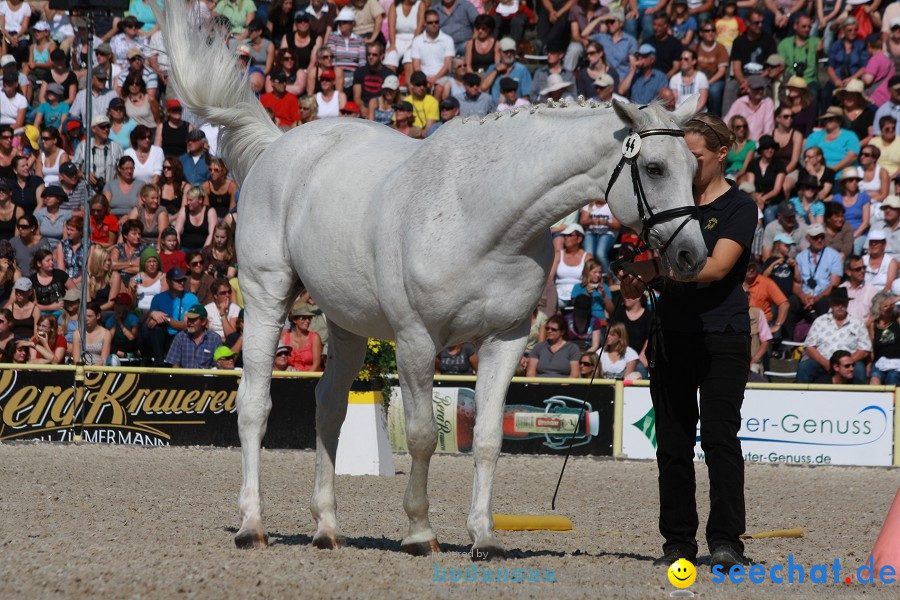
[(685, 261)]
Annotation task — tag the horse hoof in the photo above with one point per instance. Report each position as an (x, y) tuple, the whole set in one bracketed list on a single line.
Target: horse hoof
[(329, 542), (421, 548), (486, 553), (247, 539)]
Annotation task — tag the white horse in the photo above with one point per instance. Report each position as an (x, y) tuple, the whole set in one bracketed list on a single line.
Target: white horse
[(428, 243)]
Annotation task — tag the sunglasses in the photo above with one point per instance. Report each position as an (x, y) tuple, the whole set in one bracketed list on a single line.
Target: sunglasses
[(106, 126), (167, 168), (23, 225), (866, 154), (856, 269), (586, 364), (196, 263), (431, 22), (282, 353), (373, 54), (548, 328), (6, 137)]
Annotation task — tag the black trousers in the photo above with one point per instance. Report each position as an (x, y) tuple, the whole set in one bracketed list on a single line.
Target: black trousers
[(718, 364)]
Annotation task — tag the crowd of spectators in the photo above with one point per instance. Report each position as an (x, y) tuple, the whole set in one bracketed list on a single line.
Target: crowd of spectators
[(809, 88)]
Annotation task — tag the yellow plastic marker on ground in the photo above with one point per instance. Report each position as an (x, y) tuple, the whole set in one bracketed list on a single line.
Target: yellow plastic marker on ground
[(532, 523), (779, 533)]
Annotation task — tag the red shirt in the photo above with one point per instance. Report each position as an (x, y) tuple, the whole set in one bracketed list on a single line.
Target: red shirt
[(286, 108), (175, 259), (100, 234)]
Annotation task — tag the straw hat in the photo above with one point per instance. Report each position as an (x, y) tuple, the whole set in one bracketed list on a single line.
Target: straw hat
[(797, 82), (854, 86)]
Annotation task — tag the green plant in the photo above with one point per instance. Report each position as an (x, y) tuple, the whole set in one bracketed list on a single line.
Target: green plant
[(381, 361)]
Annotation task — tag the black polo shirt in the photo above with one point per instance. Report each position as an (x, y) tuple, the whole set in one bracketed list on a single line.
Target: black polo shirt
[(715, 306)]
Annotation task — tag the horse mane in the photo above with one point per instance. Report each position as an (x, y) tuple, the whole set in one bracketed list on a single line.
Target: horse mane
[(655, 108)]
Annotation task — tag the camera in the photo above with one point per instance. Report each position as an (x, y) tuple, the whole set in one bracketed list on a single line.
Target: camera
[(100, 184), (799, 68)]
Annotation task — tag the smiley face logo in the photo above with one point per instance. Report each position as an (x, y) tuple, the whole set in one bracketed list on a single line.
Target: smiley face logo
[(682, 573)]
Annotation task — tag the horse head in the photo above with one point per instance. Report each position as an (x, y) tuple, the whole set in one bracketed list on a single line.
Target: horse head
[(657, 165)]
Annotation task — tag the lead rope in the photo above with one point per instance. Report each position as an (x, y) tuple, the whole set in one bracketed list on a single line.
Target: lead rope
[(624, 264)]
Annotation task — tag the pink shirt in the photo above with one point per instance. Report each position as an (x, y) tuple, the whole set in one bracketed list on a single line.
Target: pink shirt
[(881, 67), (760, 121)]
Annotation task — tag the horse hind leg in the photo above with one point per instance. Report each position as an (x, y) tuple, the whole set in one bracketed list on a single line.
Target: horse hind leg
[(415, 362), (267, 298), (346, 353), (497, 360)]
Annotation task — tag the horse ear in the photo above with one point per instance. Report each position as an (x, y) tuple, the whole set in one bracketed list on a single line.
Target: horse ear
[(687, 110), (630, 114)]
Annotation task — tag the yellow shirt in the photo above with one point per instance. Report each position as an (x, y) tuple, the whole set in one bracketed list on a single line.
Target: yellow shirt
[(890, 155), (424, 109)]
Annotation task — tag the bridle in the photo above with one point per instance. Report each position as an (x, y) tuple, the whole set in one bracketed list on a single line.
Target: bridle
[(630, 149)]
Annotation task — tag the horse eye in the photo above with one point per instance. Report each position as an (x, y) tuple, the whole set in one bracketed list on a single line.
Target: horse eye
[(654, 169)]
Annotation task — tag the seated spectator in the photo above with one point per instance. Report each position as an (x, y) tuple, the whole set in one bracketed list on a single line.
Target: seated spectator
[(587, 365), (764, 294), (596, 68), (199, 281), (171, 136), (27, 189), (760, 340), (755, 107), (814, 164), (875, 181), (592, 285), (381, 108), (569, 265), (120, 125), (126, 255), (859, 291), (643, 81), (509, 67), (604, 90), (28, 241), (847, 58), (810, 209), (166, 317), (282, 102), (785, 222), (148, 212), (840, 147), (889, 146), (24, 309), (50, 217), (508, 95), (170, 255), (96, 347), (584, 328), (618, 360), (554, 357), (511, 17), (689, 80), (235, 340), (195, 162), (306, 345), (832, 331), (637, 321), (49, 347), (885, 332), (781, 267), (474, 102), (104, 283), (459, 359), (225, 358), (122, 191), (541, 77), (431, 53), (858, 109), (149, 281), (838, 233), (742, 151), (148, 158), (220, 256), (797, 95), (123, 324), (819, 269), (841, 369), (890, 223), (767, 175), (881, 268), (48, 282), (856, 205), (196, 221), (195, 346), (6, 331), (140, 105), (425, 106), (282, 354), (222, 312), (74, 187)]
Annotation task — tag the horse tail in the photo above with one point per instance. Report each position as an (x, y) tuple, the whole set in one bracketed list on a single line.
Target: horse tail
[(207, 82)]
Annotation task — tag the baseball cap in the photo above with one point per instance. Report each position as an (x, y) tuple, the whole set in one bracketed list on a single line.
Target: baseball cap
[(508, 84), (449, 103), (327, 74), (404, 105), (281, 349), (346, 15), (223, 352), (99, 120), (756, 81), (55, 88), (301, 15), (646, 50), (507, 44), (7, 59), (68, 168), (176, 274), (471, 79), (197, 310), (350, 107), (418, 78), (117, 103), (23, 284), (103, 48), (278, 76), (786, 209), (42, 26), (784, 239), (877, 235), (173, 104), (56, 191), (573, 228), (815, 229), (895, 22), (195, 135), (604, 80), (891, 201), (775, 60), (72, 295), (133, 52), (391, 82)]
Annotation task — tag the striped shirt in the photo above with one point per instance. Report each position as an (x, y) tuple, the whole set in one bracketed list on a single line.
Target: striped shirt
[(350, 54)]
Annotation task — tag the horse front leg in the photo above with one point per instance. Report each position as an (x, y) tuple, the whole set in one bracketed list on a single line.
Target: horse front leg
[(415, 363), (498, 357), (346, 353), (264, 316)]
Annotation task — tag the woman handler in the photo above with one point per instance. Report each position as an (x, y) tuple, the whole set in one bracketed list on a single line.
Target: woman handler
[(705, 344)]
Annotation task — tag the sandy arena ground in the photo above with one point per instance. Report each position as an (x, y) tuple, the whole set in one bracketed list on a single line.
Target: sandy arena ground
[(115, 522)]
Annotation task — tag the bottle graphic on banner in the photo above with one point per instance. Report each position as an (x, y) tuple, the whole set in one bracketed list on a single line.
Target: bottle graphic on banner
[(454, 411)]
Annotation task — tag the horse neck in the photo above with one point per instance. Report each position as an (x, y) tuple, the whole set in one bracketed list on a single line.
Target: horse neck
[(560, 161)]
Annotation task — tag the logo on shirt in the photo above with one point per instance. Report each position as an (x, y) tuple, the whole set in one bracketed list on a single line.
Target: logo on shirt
[(711, 224)]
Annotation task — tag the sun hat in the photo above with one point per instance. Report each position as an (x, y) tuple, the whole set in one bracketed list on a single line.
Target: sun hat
[(303, 310), (391, 82), (815, 229), (72, 295), (877, 235), (854, 86), (346, 15), (832, 112), (849, 173), (223, 352), (604, 80), (891, 201), (797, 82), (555, 82), (573, 228)]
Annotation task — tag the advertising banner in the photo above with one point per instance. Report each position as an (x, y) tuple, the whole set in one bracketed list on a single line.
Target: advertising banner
[(147, 409), (787, 426), (537, 419)]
